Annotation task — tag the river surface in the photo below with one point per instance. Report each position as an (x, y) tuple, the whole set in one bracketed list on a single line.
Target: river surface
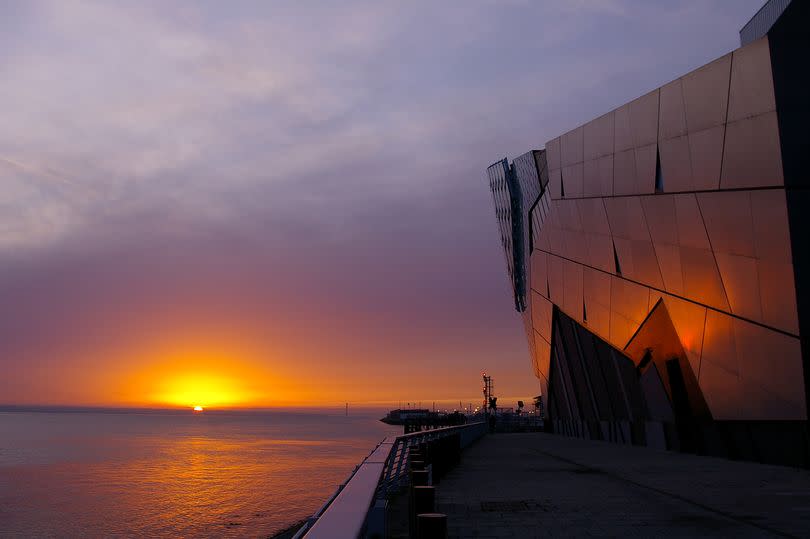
[(173, 474)]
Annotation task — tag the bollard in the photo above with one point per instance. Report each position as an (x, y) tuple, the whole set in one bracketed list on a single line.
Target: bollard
[(424, 500), (431, 526)]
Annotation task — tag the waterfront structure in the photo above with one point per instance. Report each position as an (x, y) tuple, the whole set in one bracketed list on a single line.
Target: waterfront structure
[(667, 290), (515, 189)]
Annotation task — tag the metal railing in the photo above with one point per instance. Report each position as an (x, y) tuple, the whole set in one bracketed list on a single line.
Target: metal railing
[(357, 508)]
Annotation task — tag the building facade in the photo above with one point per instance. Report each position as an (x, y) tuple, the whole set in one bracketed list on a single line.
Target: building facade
[(667, 269), (515, 189)]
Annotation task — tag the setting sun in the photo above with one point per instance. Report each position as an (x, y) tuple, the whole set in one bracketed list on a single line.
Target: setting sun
[(199, 376)]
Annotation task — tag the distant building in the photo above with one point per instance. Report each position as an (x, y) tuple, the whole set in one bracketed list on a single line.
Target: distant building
[(664, 258)]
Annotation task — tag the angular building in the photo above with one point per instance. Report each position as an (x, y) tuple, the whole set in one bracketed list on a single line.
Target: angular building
[(667, 287), (515, 188)]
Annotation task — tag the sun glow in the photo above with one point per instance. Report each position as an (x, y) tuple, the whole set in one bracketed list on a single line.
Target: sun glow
[(203, 390), (201, 376)]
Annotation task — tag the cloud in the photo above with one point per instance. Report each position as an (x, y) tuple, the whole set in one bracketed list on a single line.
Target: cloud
[(312, 166)]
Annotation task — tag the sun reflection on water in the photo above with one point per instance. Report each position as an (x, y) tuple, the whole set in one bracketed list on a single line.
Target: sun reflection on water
[(157, 475)]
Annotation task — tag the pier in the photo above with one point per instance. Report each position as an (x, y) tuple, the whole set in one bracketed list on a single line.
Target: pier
[(542, 485), (525, 485)]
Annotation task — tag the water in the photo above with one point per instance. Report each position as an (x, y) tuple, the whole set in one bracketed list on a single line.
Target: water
[(94, 474)]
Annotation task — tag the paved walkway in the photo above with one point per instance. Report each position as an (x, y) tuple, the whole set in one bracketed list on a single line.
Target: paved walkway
[(541, 485)]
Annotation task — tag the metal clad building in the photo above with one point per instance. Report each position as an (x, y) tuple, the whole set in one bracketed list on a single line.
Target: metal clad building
[(668, 295)]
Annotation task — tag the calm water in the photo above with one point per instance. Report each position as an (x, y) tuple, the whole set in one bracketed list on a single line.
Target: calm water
[(173, 474)]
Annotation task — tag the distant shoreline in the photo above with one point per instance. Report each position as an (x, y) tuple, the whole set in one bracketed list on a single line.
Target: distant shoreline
[(57, 409)]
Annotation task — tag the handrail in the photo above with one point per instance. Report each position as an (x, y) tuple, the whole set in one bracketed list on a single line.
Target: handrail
[(380, 474)]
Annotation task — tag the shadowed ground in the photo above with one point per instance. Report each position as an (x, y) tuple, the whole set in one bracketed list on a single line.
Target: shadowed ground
[(540, 485)]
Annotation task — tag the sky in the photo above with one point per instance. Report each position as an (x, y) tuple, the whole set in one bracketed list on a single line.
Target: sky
[(284, 203)]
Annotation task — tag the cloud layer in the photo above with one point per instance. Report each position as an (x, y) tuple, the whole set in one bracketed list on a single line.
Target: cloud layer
[(303, 178)]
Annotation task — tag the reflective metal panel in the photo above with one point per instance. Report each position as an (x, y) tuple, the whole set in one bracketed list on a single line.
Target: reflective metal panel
[(701, 278), (644, 119), (572, 178), (705, 94), (689, 320), (772, 361), (764, 405), (669, 260), (751, 90), (542, 242), (568, 215), (554, 183), (600, 252), (706, 156), (555, 279), (623, 134), (539, 271), (778, 295), (723, 392), (541, 315), (575, 246), (598, 137), (719, 373), (624, 252), (555, 239), (626, 218), (553, 154), (624, 173), (739, 275), (598, 319), (621, 329), (605, 166), (571, 147), (727, 216), (593, 216), (691, 231), (596, 288), (752, 155), (542, 355), (771, 232), (671, 116), (676, 166), (591, 182), (645, 264), (572, 301), (628, 299), (645, 170), (719, 345), (659, 212)]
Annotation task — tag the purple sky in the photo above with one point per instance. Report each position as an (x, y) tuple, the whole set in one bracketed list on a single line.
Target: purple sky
[(303, 178)]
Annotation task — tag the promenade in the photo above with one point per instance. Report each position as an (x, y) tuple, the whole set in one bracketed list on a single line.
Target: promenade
[(540, 485)]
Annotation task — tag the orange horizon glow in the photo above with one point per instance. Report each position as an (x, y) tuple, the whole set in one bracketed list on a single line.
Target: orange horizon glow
[(221, 370), (203, 375)]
